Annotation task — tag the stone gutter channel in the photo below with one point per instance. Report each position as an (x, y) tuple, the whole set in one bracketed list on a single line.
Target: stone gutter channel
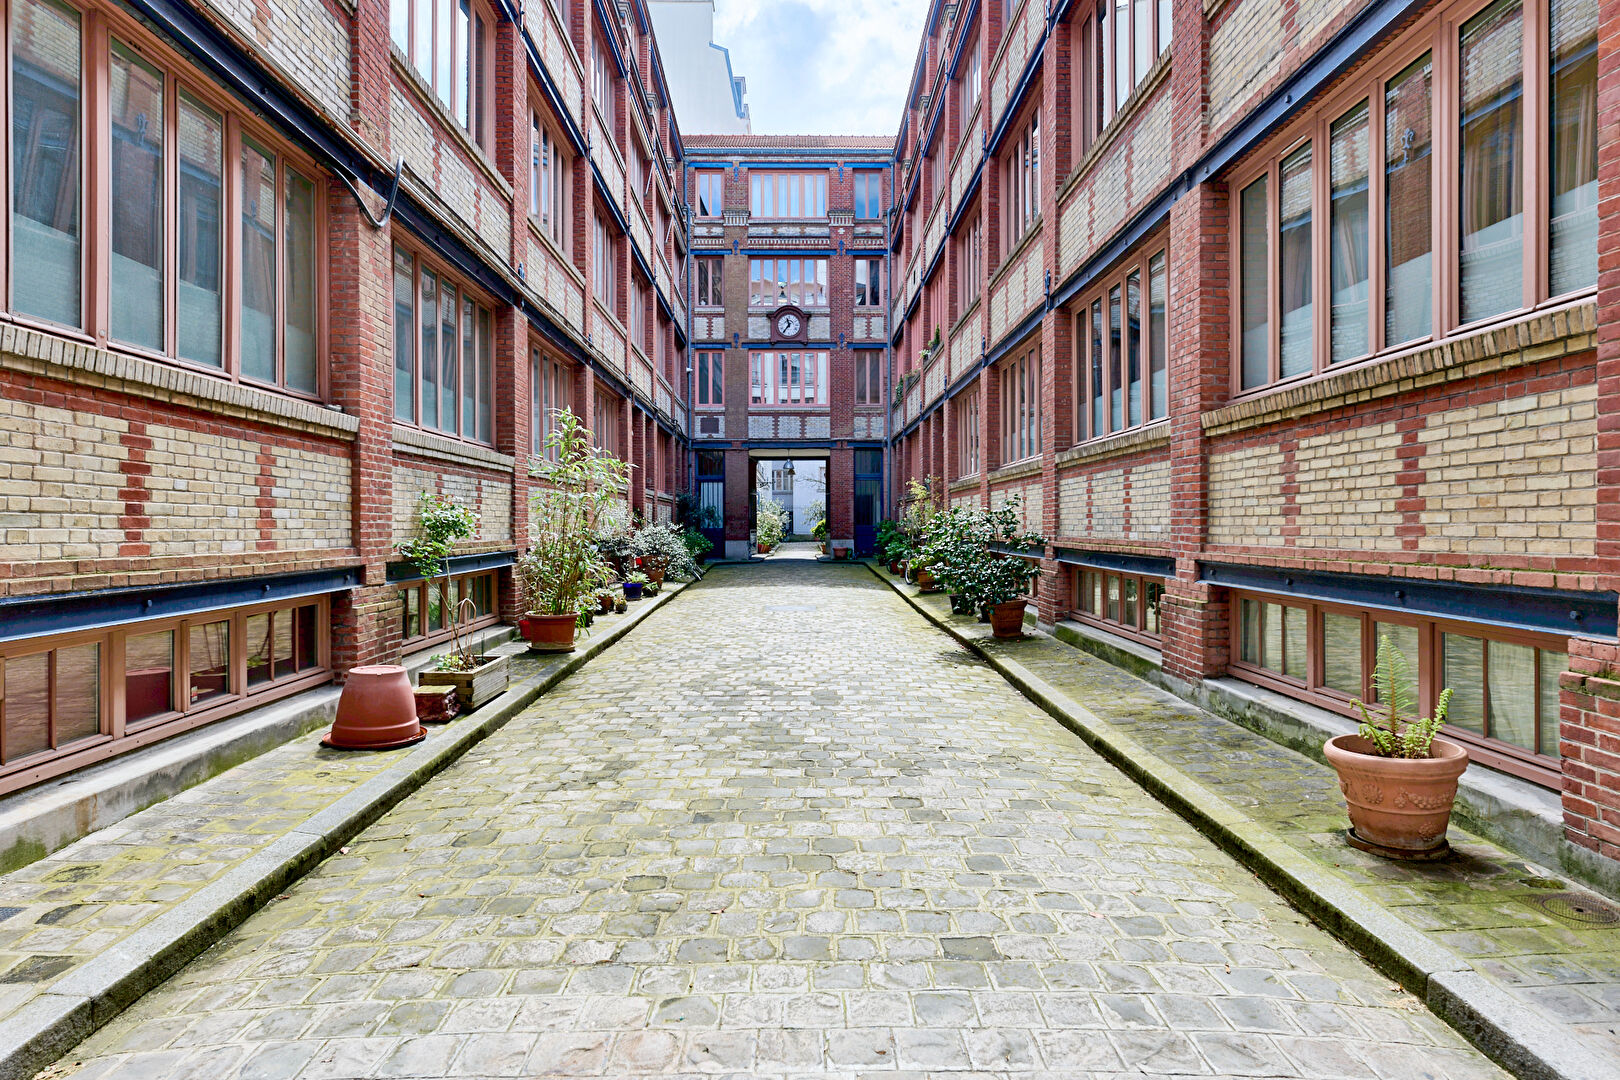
[(260, 826), (1322, 878)]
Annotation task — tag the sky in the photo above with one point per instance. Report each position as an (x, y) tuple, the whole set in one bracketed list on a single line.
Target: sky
[(822, 67)]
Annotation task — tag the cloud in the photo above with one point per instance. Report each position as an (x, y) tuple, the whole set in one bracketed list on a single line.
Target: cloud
[(823, 67)]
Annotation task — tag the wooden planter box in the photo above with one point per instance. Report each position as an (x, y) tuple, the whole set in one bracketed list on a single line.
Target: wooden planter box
[(474, 688)]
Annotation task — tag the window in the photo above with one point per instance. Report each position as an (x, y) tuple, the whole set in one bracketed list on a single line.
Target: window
[(1021, 169), (637, 313), (60, 701), (1122, 348), (448, 42), (1502, 253), (711, 192), (429, 607), (1504, 683), (788, 378), (1127, 604), (550, 391), (1021, 407), (787, 195), (969, 76), (965, 409), (868, 377), (868, 281), (774, 282), (548, 183), (868, 194), (969, 260), (607, 410), (604, 253), (604, 75), (168, 253), (711, 378), (708, 268), (1120, 43), (443, 353)]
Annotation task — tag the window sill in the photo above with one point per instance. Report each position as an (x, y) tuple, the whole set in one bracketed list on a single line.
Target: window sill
[(428, 444), (1118, 123), (1018, 470), (1030, 236), (1150, 436), (429, 100)]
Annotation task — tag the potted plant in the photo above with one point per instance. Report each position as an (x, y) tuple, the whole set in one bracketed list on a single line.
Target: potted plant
[(663, 553), (772, 525), (890, 544), (477, 679), (819, 531), (604, 601), (634, 582), (565, 565), (1399, 781)]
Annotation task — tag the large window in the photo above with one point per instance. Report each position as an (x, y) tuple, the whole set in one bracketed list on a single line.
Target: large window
[(774, 282), (604, 266), (1123, 603), (548, 182), (969, 76), (1021, 179), (1020, 385), (868, 281), (551, 389), (430, 607), (1373, 220), (868, 194), (170, 253), (708, 269), (604, 74), (1504, 683), (443, 349), (711, 186), (868, 377), (1114, 46), (1121, 345), (448, 42), (965, 410), (87, 695), (969, 260), (711, 378), (607, 417), (787, 195), (788, 378)]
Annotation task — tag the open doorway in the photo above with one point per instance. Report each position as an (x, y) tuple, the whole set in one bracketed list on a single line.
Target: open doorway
[(799, 484)]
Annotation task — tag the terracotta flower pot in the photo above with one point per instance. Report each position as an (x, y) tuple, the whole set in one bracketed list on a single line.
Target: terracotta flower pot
[(1399, 807), (925, 581), (377, 710), (655, 575), (1007, 620), (605, 603), (764, 549), (894, 567), (549, 633)]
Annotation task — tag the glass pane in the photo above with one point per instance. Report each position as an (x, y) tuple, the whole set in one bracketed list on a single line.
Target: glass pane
[(1464, 673), (441, 48), (1116, 384), (1144, 38), (447, 357), (135, 92), (429, 374), (1133, 345), (300, 340), (258, 648), (1251, 632), (210, 661), (148, 675), (78, 693), (45, 156), (1129, 618), (1150, 607), (422, 53), (258, 264), (1405, 641), (1113, 598), (1408, 190), (1122, 51), (1271, 656), (202, 234), (1256, 324), (1341, 654), (1492, 197), (1295, 650), (486, 378), (282, 645), (1348, 249), (404, 336), (1553, 664), (1158, 340), (1166, 23), (463, 15), (469, 369), (27, 702), (1099, 419), (413, 613), (435, 609), (309, 654), (1513, 693), (1294, 249), (1573, 247), (399, 24)]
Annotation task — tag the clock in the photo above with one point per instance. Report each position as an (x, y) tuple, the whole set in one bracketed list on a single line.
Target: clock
[(787, 324)]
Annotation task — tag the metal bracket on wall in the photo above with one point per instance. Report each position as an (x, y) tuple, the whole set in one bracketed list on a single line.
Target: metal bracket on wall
[(393, 195)]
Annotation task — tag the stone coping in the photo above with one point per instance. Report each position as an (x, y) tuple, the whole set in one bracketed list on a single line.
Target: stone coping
[(1464, 936), (1151, 437), (427, 444), (86, 931)]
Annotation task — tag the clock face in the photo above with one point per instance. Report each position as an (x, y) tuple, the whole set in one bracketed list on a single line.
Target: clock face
[(787, 324)]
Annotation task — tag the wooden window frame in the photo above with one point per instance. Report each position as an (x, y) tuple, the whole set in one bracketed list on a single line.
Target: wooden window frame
[(969, 241), (479, 54), (1104, 46), (868, 377), (710, 368), (551, 389), (801, 292), (1096, 579), (1020, 434), (712, 267), (868, 194), (484, 395), (969, 84), (1085, 364), (550, 169), (461, 585), (607, 421), (604, 262), (1021, 180), (1491, 752), (969, 453), (868, 293), (712, 181), (805, 187), (1436, 33), (99, 26), (765, 378)]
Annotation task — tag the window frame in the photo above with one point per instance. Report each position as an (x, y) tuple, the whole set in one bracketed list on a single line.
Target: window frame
[(461, 585), (1085, 577), (607, 421), (481, 24), (868, 376), (1020, 163), (969, 261), (768, 390), (709, 368), (868, 194), (604, 262), (551, 389), (1437, 34), (1088, 368), (793, 186), (868, 274), (713, 268), (550, 172), (484, 405), (1018, 380), (714, 180), (796, 266), (969, 450), (100, 26)]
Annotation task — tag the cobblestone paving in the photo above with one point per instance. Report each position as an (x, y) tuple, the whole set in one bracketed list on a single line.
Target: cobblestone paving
[(785, 828)]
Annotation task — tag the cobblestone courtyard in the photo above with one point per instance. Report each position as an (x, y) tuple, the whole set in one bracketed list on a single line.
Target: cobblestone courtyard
[(784, 828)]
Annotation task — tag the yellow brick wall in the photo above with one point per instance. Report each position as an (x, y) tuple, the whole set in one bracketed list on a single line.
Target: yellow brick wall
[(1245, 495), (1347, 489), (59, 483), (492, 499), (1101, 514)]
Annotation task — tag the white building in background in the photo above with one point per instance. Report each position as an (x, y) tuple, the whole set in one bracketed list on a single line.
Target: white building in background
[(708, 97)]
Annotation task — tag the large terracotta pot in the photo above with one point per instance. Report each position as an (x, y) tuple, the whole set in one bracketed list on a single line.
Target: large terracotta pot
[(1007, 620), (377, 710), (894, 567), (1400, 805), (655, 574), (764, 549), (925, 581), (548, 633)]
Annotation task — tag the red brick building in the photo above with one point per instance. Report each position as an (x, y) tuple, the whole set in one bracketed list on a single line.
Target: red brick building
[(1290, 322)]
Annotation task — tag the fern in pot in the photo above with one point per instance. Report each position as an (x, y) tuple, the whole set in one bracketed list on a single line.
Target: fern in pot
[(1399, 780)]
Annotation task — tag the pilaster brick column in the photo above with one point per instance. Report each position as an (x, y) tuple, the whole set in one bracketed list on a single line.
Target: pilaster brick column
[(513, 397), (840, 494)]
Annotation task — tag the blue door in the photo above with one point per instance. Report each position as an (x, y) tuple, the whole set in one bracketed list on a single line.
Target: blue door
[(868, 505), (711, 496)]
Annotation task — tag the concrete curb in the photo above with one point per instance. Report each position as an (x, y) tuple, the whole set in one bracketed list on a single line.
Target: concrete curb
[(1526, 1045), (50, 1025)]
